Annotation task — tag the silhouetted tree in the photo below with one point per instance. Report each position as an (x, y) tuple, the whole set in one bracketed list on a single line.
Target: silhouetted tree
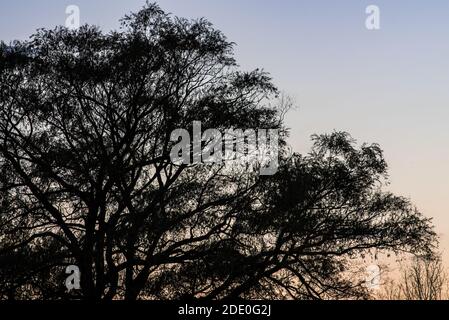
[(424, 279), (86, 178)]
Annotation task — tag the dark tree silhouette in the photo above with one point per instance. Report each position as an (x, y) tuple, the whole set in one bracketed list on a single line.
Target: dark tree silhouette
[(86, 178), (422, 279)]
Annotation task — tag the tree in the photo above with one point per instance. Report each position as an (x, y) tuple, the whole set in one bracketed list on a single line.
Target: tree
[(85, 125), (424, 279)]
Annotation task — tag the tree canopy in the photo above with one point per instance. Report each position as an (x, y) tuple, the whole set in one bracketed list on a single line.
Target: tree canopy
[(86, 177)]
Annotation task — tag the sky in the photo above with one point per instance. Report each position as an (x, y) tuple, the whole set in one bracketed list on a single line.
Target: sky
[(388, 86)]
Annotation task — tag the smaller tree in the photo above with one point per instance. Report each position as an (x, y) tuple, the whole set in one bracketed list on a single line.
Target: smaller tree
[(424, 279)]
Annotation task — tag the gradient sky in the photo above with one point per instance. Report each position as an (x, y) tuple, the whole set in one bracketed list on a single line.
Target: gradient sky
[(389, 86)]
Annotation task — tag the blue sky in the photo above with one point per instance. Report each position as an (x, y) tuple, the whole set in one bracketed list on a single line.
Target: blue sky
[(388, 86)]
